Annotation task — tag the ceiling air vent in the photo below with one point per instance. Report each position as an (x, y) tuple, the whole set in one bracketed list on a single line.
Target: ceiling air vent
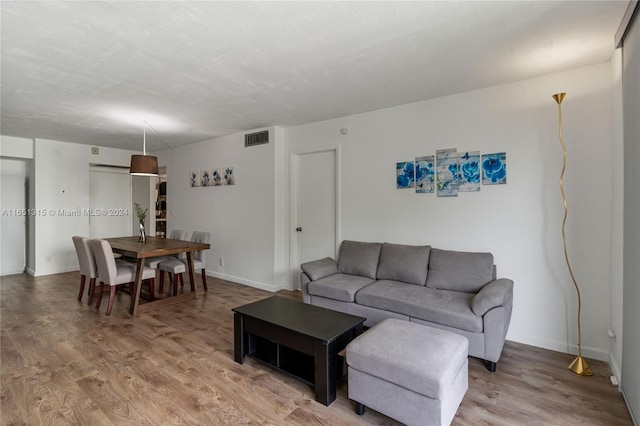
[(258, 138)]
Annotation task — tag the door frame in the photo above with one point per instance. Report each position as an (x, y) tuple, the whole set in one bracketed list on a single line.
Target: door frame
[(294, 155)]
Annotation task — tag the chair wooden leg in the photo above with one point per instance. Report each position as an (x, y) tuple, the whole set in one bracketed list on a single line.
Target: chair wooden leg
[(131, 288), (82, 280), (152, 288), (204, 280), (161, 282), (112, 297), (100, 295), (92, 290), (175, 284), (181, 281)]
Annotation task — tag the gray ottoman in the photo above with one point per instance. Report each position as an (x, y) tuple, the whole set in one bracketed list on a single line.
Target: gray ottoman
[(410, 372)]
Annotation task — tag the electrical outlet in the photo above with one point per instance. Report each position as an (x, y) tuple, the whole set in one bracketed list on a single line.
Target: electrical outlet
[(221, 261)]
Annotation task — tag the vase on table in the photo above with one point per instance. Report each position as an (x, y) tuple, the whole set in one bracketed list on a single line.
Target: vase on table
[(143, 236)]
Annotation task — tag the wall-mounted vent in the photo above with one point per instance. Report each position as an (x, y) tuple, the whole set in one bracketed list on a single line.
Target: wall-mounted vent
[(258, 138)]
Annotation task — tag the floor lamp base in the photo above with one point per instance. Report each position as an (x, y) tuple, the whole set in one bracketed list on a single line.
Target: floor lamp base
[(581, 367)]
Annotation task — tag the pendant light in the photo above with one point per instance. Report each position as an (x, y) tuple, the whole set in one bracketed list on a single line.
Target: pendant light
[(144, 165)]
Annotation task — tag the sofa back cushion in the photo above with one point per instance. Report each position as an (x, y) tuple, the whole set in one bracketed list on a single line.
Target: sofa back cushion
[(399, 262), (359, 258), (459, 271)]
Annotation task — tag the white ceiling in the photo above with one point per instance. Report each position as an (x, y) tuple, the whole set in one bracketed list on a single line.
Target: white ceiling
[(91, 72)]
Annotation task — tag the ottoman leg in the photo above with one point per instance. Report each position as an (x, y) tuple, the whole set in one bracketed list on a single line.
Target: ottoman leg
[(359, 408)]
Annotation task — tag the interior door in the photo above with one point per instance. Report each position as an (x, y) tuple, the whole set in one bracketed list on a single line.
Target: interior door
[(13, 225), (110, 202), (315, 228)]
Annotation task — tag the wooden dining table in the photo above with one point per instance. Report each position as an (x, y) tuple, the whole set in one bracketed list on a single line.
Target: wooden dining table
[(154, 247)]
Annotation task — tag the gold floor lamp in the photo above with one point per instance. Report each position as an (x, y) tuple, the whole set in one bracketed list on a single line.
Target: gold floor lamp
[(579, 365)]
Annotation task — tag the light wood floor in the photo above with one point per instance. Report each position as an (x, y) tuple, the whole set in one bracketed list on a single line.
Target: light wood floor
[(63, 362)]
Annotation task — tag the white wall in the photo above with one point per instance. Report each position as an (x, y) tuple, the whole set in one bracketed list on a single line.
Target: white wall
[(630, 382), (519, 222), (617, 233), (242, 217), (61, 171)]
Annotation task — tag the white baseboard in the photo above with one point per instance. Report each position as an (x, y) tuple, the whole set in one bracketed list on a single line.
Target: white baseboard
[(11, 273), (250, 283), (615, 369), (587, 352), (57, 271)]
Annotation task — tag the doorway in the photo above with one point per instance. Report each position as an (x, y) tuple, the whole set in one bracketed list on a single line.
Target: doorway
[(14, 224), (314, 195), (109, 201)]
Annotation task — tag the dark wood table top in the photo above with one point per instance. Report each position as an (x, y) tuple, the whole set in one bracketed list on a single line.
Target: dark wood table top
[(154, 246), (320, 323)]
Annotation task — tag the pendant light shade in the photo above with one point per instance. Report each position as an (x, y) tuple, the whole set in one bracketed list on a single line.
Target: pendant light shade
[(144, 165)]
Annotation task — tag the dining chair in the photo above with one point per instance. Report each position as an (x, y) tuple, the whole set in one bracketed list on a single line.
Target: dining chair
[(175, 268), (153, 262), (87, 265), (176, 234), (198, 256), (114, 273)]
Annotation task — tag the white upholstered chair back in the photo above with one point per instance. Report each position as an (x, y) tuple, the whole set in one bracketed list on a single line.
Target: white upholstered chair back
[(200, 237), (86, 259), (178, 234), (107, 268)]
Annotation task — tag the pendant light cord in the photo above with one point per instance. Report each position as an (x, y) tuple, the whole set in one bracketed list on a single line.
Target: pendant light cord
[(146, 124)]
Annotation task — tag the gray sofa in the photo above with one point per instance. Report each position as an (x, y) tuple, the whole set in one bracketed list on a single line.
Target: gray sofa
[(451, 290)]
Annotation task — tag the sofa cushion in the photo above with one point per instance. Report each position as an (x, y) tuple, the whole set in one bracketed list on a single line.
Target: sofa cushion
[(459, 271), (320, 268), (358, 258), (450, 308), (341, 287), (404, 263)]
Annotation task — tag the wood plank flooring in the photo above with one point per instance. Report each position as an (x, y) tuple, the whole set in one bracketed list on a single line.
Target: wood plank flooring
[(63, 362)]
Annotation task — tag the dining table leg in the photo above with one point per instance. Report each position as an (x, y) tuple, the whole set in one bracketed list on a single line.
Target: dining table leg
[(192, 279), (135, 297)]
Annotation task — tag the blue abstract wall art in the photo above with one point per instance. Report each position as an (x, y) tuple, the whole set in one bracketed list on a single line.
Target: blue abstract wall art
[(469, 171), (205, 178), (494, 169), (425, 174), (217, 177), (194, 178), (447, 172), (229, 175), (405, 176)]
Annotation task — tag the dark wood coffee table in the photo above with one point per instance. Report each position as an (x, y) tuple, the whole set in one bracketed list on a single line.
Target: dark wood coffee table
[(300, 339)]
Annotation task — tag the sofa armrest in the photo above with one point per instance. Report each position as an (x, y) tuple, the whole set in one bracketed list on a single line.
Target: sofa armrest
[(320, 268), (494, 294)]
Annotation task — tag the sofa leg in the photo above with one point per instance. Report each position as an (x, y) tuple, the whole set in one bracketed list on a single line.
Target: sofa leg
[(359, 409), (491, 366)]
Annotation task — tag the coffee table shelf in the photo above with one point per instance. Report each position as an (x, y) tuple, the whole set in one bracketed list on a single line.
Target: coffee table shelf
[(285, 359)]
